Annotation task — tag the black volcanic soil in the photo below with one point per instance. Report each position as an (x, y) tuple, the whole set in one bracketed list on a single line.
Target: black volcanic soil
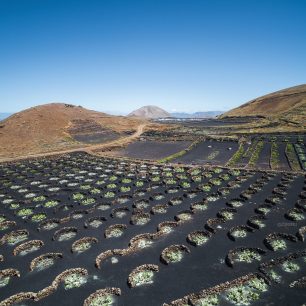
[(203, 153), (89, 131), (264, 157), (152, 149), (96, 137), (204, 267), (220, 122), (283, 161), (209, 122)]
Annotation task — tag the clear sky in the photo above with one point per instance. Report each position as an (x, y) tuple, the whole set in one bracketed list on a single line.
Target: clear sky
[(115, 56)]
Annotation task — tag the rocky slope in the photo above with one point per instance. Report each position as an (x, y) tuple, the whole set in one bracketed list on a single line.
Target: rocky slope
[(57, 126), (287, 104)]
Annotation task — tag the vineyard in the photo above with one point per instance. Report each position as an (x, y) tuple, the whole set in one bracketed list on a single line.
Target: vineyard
[(93, 231), (263, 152)]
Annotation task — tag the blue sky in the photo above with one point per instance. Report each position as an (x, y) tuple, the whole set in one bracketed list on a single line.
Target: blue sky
[(115, 56)]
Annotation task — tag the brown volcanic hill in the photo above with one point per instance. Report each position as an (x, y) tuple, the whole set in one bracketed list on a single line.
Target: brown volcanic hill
[(287, 104), (149, 112), (58, 126)]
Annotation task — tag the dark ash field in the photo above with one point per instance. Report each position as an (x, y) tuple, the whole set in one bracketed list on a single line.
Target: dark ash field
[(104, 231)]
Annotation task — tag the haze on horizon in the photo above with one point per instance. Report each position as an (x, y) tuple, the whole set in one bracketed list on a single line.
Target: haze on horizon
[(116, 56)]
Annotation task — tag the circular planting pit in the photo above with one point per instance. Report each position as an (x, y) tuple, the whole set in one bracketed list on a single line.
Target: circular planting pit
[(176, 201), (290, 267), (280, 191), (159, 209), (168, 179), (123, 199), (44, 261), (142, 275), (174, 253), (94, 222), (240, 231), (141, 204), (278, 241), (215, 181), (6, 275), (39, 217), (263, 209), (235, 203), (234, 184), (74, 280), (198, 238), (141, 241), (227, 213), (185, 185), (140, 193), (167, 227), (246, 255), (104, 206), (295, 214), (257, 221), (109, 195), (48, 225), (14, 237), (213, 197), (115, 231), (213, 224), (274, 199), (191, 194), (140, 218), (246, 293), (184, 216), (103, 297), (51, 204), (78, 214), (28, 247), (199, 206), (88, 201), (248, 194), (205, 187), (83, 244), (224, 191), (25, 212), (157, 197), (5, 225), (120, 212), (65, 234)]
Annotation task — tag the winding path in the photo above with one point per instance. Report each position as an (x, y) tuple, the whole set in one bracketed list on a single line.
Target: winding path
[(88, 149)]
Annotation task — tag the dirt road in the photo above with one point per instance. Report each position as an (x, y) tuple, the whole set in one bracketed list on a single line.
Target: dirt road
[(88, 149)]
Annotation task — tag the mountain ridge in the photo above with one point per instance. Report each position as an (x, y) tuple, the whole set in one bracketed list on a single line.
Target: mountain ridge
[(149, 112), (287, 104)]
